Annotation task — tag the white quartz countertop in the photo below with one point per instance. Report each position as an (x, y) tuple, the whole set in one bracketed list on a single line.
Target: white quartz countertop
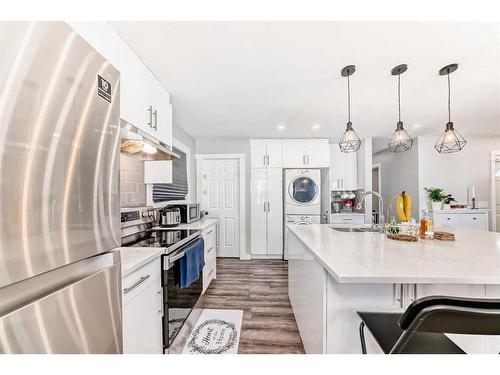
[(133, 258), (200, 224), (473, 258)]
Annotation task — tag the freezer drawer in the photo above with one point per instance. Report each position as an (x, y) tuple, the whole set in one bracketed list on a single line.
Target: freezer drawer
[(83, 316)]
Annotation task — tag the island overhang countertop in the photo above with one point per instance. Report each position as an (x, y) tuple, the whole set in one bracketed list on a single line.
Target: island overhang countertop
[(473, 258)]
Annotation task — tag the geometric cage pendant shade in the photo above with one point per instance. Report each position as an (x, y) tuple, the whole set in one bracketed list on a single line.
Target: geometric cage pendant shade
[(350, 141), (400, 140), (450, 141)]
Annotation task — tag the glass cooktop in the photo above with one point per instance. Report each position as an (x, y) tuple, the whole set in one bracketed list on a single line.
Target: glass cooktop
[(160, 238)]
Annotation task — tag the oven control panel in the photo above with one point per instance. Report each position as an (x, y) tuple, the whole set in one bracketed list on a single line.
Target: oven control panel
[(130, 216)]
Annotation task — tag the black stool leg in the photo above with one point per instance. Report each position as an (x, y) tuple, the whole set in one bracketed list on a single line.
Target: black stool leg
[(362, 337)]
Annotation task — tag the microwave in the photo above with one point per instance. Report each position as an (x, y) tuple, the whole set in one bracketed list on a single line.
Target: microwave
[(190, 212)]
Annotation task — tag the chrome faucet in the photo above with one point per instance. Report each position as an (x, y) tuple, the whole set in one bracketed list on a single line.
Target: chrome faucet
[(380, 204)]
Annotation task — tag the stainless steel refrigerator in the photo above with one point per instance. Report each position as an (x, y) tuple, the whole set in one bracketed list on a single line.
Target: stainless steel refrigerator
[(59, 193)]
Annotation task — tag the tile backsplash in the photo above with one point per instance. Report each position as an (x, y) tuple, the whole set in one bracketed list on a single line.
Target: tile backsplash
[(132, 187)]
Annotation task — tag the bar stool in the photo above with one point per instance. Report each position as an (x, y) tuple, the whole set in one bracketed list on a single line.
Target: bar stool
[(421, 328)]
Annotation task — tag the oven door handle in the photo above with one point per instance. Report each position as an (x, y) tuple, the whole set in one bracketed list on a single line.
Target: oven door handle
[(177, 257)]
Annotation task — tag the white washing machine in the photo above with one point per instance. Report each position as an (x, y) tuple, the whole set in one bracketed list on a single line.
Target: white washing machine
[(302, 192), (297, 220)]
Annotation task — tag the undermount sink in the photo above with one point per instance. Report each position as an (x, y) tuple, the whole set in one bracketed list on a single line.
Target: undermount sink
[(355, 230)]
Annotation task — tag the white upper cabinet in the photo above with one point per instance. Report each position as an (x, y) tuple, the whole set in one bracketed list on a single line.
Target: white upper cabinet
[(318, 153), (344, 170), (266, 153), (144, 102), (101, 36), (306, 153), (294, 153)]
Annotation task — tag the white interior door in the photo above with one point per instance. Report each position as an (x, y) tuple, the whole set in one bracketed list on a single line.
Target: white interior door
[(220, 196)]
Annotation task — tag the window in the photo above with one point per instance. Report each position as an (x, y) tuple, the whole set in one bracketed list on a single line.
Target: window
[(178, 189)]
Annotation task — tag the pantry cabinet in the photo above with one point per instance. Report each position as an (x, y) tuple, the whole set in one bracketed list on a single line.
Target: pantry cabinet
[(471, 219), (344, 170), (266, 153), (144, 102), (306, 153), (266, 212)]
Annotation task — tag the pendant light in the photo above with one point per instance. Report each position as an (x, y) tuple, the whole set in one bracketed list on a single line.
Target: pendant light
[(401, 140), (450, 141), (350, 141)]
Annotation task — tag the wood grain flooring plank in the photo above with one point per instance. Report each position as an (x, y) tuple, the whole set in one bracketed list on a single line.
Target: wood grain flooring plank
[(260, 289)]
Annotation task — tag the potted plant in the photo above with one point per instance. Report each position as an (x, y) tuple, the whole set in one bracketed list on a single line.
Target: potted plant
[(448, 198), (436, 197)]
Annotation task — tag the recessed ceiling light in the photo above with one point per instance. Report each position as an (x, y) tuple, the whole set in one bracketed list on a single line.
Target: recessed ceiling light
[(315, 127), (281, 127)]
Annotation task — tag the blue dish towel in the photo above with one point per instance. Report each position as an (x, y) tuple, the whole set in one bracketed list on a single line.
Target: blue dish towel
[(192, 263)]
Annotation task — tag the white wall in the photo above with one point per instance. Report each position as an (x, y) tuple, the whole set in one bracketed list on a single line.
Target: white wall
[(398, 172), (454, 172)]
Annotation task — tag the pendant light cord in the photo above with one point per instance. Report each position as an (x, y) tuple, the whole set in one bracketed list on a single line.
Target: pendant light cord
[(399, 97), (348, 99), (449, 100)]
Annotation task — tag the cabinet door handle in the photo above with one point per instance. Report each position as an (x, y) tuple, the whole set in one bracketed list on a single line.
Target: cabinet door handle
[(338, 183), (268, 206), (264, 159), (210, 250), (267, 157), (264, 206), (307, 159), (401, 295), (160, 297), (136, 284), (150, 110), (155, 113)]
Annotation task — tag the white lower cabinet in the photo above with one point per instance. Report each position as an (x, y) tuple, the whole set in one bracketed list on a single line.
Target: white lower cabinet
[(471, 220), (143, 310), (347, 219), (210, 268), (266, 212)]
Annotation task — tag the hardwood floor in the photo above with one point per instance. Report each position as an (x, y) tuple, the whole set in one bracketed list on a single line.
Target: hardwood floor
[(260, 289)]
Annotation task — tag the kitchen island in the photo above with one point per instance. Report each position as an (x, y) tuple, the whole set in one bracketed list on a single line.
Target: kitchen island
[(333, 274)]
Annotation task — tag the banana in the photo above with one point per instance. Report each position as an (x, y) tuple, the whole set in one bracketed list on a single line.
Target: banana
[(403, 207)]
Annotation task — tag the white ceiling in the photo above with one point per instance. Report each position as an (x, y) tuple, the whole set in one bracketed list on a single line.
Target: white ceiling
[(245, 79)]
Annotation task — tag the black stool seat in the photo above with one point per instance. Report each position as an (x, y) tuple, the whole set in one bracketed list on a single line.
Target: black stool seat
[(386, 330)]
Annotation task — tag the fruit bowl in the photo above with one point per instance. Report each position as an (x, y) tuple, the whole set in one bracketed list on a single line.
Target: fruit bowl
[(402, 231)]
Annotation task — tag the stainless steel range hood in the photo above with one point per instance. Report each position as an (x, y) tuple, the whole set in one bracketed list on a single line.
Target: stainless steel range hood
[(140, 145)]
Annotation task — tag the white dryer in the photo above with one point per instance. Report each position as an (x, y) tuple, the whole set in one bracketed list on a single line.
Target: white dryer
[(291, 220), (302, 192)]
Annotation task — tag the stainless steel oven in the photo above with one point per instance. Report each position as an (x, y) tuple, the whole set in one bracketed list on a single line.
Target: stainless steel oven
[(178, 302), (139, 230)]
